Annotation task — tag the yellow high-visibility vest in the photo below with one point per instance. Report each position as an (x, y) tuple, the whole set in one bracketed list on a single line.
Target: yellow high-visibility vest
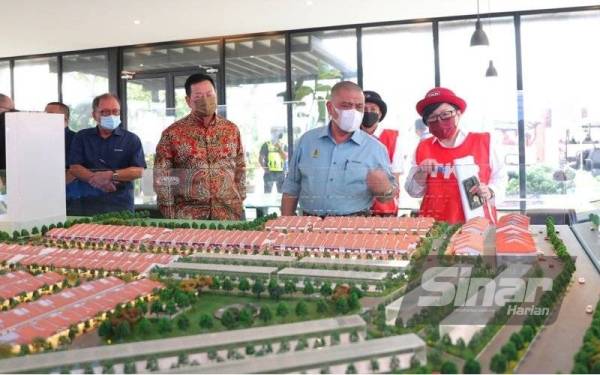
[(274, 160)]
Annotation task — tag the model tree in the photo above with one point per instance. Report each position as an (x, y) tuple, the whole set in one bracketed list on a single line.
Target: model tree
[(449, 368), (244, 285), (246, 317), (289, 287), (301, 309), (509, 350), (183, 323), (341, 306), (282, 309), (275, 290), (258, 288), (322, 306), (206, 321), (144, 326), (227, 284), (326, 289), (498, 364), (265, 314), (229, 319), (472, 366)]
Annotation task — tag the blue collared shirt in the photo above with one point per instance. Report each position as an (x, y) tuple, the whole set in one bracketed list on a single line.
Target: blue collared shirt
[(122, 149), (330, 178)]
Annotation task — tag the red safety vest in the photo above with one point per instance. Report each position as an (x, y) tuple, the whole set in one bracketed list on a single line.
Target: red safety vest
[(388, 138), (442, 197)]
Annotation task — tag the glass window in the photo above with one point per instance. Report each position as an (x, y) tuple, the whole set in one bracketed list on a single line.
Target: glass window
[(319, 60), (562, 115), (400, 82), (255, 79), (171, 56), (85, 76), (147, 118), (491, 101), (36, 83), (5, 77)]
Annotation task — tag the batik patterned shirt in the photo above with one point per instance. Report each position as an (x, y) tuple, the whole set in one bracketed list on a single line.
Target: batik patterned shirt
[(199, 170)]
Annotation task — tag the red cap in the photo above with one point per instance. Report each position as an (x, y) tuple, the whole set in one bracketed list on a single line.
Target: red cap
[(440, 95)]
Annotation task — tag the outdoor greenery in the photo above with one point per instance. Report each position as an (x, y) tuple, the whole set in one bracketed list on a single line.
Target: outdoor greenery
[(595, 220), (542, 179)]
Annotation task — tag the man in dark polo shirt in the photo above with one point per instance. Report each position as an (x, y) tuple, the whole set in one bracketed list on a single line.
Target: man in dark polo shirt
[(106, 159)]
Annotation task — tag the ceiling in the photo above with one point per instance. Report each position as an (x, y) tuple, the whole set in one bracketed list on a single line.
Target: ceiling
[(41, 26)]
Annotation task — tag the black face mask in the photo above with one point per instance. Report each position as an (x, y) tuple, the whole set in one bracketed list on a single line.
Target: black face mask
[(370, 119)]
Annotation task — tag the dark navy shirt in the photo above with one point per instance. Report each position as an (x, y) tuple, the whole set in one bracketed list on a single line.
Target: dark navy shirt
[(69, 135), (122, 149)]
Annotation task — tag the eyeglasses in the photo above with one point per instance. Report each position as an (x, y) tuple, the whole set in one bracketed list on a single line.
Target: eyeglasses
[(446, 115), (108, 112)]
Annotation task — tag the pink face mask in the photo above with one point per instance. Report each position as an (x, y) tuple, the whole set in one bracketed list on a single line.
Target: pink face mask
[(443, 129)]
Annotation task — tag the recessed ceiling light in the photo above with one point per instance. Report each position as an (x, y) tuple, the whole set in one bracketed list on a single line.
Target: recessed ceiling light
[(137, 22), (141, 65), (251, 56), (309, 3)]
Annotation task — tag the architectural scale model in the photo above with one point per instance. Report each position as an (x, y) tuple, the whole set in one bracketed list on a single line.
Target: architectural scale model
[(289, 294)]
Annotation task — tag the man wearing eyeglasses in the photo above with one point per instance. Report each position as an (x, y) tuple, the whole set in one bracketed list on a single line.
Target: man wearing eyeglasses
[(432, 176), (337, 170), (106, 160)]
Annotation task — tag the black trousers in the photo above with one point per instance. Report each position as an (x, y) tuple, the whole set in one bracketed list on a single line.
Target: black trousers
[(270, 177)]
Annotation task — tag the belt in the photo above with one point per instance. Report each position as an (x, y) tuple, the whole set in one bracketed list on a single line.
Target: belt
[(321, 215)]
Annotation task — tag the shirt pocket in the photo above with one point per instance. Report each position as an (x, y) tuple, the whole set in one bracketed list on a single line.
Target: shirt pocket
[(355, 175), (313, 178)]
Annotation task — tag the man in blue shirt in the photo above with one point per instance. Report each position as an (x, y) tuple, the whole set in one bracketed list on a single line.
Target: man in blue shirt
[(338, 170), (105, 160)]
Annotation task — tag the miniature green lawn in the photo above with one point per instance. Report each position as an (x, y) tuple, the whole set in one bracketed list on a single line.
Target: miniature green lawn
[(209, 303)]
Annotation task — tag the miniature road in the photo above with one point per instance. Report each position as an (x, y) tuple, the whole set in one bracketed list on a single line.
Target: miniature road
[(493, 347), (558, 342), (515, 323)]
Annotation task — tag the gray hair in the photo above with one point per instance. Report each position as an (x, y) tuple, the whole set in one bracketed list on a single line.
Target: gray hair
[(345, 85), (97, 99)]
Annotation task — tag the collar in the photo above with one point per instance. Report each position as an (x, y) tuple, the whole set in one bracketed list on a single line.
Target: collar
[(357, 137), (199, 120), (460, 138), (118, 131)]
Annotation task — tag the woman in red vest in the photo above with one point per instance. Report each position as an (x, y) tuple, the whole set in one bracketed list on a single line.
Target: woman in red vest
[(375, 111), (432, 176)]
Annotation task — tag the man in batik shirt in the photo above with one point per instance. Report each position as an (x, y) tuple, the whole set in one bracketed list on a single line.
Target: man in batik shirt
[(199, 168)]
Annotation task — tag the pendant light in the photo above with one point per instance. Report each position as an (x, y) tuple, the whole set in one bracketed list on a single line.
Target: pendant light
[(479, 38), (491, 70)]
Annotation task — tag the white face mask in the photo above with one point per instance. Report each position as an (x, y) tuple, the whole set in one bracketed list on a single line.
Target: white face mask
[(349, 120)]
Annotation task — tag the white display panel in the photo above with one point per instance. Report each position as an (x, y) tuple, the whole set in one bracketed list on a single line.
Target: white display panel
[(35, 170)]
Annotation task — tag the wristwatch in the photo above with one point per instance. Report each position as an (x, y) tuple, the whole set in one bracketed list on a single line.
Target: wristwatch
[(389, 193), (115, 175)]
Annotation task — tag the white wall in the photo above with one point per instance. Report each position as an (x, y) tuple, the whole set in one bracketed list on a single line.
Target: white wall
[(42, 26)]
